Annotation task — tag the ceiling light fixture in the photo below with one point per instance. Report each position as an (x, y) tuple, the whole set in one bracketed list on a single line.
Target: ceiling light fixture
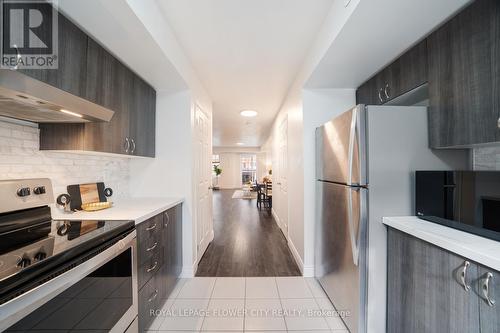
[(248, 113), (240, 143), (72, 113)]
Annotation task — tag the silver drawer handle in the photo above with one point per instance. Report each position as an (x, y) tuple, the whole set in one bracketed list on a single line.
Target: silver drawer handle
[(380, 95), (152, 268), (385, 91), (126, 145), (152, 247), (486, 289), (133, 146), (151, 228), (154, 296), (463, 276), (498, 123)]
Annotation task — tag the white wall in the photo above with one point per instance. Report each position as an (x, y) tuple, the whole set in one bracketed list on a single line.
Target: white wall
[(319, 106), (170, 174), (230, 163), (20, 157), (292, 109), (262, 166)]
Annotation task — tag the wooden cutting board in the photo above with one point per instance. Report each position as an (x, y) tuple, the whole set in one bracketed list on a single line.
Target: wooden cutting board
[(86, 193)]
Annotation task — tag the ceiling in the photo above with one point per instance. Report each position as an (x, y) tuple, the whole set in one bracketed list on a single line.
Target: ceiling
[(247, 54), (368, 40)]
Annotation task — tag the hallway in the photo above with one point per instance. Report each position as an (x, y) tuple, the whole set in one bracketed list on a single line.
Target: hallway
[(247, 242)]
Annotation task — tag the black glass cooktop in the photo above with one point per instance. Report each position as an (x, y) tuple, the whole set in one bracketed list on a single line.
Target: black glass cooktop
[(65, 240)]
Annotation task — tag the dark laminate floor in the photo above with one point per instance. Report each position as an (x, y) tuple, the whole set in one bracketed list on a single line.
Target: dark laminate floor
[(247, 242)]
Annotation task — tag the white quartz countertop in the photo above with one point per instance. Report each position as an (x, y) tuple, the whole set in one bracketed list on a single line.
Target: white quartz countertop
[(476, 248), (136, 209)]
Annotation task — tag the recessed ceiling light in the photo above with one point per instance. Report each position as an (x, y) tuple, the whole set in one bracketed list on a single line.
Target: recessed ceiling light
[(240, 143), (72, 113), (248, 113)]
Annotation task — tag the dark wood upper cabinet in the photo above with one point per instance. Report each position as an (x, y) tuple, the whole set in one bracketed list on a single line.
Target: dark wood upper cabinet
[(408, 71), (110, 84), (72, 54), (143, 119), (464, 78), (88, 70), (425, 293), (404, 74)]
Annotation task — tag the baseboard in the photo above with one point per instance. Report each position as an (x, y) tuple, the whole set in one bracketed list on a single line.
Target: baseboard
[(189, 271), (275, 216), (296, 256), (308, 271)]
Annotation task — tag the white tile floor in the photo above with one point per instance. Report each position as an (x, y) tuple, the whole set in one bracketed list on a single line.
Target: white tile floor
[(281, 304)]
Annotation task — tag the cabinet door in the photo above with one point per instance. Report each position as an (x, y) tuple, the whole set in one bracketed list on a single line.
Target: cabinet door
[(109, 84), (424, 289), (72, 53), (365, 94), (409, 71), (170, 251), (143, 118), (461, 58), (489, 314), (178, 241), (495, 45)]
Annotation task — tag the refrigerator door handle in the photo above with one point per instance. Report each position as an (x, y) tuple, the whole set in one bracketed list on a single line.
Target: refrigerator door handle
[(352, 137), (352, 230)]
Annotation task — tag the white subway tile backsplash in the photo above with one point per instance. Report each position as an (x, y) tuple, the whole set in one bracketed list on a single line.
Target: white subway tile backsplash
[(20, 158)]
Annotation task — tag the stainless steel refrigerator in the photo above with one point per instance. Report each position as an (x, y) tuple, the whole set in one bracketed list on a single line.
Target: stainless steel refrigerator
[(365, 161)]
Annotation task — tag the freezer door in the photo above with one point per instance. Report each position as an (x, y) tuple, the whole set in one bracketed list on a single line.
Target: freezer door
[(340, 148), (339, 269)]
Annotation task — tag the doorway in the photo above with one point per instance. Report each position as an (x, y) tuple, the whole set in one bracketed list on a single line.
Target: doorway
[(247, 239)]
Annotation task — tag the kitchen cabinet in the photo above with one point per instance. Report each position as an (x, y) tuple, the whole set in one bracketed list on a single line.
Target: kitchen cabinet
[(143, 119), (404, 74), (433, 290), (72, 53), (110, 84), (367, 93), (88, 70), (464, 78), (173, 246), (159, 261)]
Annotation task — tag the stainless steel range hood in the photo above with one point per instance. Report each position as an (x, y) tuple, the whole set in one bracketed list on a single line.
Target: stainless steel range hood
[(25, 98)]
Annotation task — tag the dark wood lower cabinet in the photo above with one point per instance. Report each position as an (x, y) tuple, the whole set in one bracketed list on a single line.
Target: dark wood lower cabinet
[(159, 256), (425, 293), (489, 314)]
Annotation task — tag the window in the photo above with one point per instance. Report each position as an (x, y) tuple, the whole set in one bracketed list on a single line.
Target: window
[(215, 162), (248, 168)]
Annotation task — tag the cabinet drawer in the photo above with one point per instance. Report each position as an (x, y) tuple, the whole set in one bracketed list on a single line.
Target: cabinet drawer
[(148, 247), (149, 228), (149, 301), (149, 268)]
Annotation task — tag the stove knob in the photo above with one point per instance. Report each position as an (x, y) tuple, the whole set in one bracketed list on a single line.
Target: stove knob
[(40, 256), (39, 190), (24, 262), (24, 192)]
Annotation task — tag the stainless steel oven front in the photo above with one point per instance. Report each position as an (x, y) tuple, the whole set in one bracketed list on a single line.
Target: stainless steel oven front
[(97, 294)]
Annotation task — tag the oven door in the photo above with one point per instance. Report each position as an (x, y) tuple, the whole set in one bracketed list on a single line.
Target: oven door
[(99, 295)]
